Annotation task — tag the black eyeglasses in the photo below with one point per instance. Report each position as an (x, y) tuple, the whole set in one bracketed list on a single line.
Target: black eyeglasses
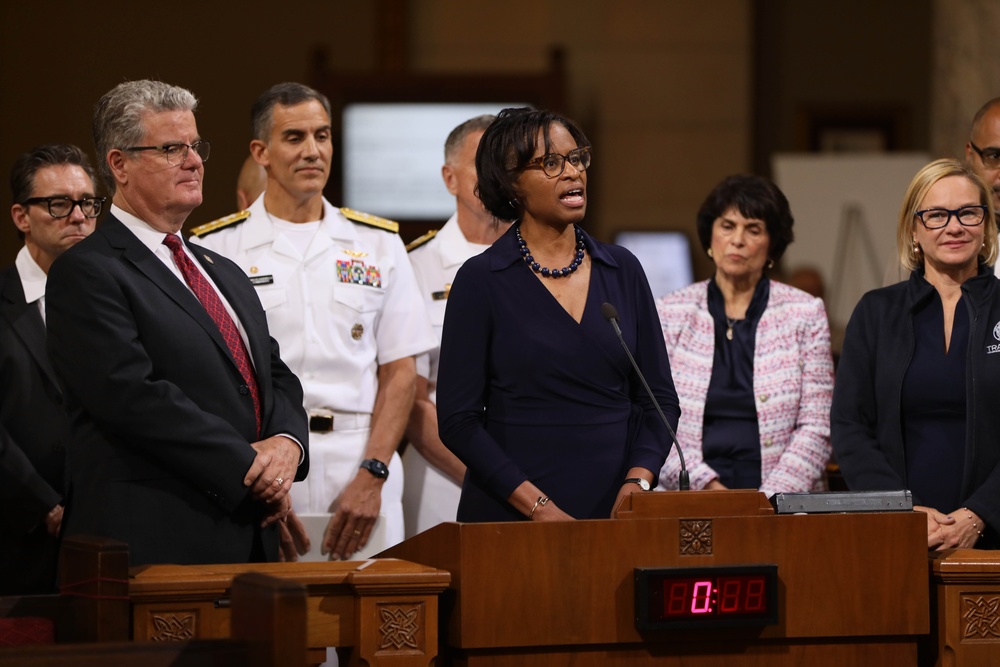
[(989, 156), (177, 153), (60, 207), (967, 216), (554, 164)]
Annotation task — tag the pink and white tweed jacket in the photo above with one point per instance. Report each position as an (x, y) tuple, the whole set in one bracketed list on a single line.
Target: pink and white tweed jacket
[(793, 385)]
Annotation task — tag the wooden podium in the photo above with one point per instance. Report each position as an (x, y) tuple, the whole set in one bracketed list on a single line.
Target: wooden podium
[(965, 600), (852, 587)]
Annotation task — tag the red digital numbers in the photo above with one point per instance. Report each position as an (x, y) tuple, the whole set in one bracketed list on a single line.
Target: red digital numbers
[(677, 597), (729, 595), (701, 599), (736, 594), (755, 598)]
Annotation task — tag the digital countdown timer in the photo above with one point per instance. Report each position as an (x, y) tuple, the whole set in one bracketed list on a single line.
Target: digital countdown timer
[(731, 596)]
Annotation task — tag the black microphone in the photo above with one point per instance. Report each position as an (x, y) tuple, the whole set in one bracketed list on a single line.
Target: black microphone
[(610, 313)]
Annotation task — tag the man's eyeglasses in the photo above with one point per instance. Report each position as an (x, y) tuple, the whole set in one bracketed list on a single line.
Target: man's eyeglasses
[(177, 153), (967, 216), (60, 207), (989, 156), (554, 164)]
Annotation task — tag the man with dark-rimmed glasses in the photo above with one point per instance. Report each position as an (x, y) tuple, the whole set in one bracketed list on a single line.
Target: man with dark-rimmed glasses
[(188, 429), (982, 150), (55, 206)]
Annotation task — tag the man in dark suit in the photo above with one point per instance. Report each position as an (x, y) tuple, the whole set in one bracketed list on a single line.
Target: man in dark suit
[(54, 207), (187, 428)]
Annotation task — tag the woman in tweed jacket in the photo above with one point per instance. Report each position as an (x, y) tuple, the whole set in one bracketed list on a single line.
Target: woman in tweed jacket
[(750, 357)]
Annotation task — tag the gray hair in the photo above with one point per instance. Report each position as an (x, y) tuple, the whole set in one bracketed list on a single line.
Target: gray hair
[(458, 135), (286, 94), (118, 117)]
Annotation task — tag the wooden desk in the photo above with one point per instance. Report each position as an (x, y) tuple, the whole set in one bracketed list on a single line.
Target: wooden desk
[(853, 587), (382, 612), (965, 605)]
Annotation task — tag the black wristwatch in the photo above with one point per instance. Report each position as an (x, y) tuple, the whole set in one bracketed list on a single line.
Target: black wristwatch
[(643, 484), (375, 467)]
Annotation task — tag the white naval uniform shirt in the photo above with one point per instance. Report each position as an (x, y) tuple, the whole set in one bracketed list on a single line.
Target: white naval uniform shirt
[(333, 330), (338, 310), (430, 497)]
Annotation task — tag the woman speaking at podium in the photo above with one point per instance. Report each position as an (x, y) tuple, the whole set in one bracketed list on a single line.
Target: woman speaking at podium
[(915, 403), (751, 356), (535, 393)]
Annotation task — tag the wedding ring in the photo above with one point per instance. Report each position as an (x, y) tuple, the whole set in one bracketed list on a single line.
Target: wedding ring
[(357, 532), (279, 480)]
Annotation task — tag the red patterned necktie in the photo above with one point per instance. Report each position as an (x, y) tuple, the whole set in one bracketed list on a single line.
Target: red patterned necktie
[(217, 311)]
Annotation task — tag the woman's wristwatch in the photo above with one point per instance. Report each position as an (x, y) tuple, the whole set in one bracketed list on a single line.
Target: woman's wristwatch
[(643, 484)]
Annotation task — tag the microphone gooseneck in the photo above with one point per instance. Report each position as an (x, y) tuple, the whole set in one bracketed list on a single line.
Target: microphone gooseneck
[(610, 313)]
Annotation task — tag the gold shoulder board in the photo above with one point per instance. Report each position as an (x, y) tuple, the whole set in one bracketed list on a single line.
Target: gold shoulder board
[(221, 223), (371, 220), (416, 243)]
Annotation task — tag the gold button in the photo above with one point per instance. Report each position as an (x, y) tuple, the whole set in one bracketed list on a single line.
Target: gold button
[(763, 398)]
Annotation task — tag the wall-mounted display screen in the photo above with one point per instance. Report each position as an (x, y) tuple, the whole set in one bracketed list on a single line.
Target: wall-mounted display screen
[(393, 154), (665, 257)]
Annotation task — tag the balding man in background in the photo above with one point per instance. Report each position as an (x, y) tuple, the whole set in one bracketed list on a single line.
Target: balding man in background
[(982, 150), (250, 183), (433, 473)]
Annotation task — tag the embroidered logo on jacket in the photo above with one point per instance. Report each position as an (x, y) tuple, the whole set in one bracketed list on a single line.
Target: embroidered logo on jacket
[(993, 349), (356, 272)]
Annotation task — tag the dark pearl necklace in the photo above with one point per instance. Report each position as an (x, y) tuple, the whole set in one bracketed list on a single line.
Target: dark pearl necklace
[(552, 273)]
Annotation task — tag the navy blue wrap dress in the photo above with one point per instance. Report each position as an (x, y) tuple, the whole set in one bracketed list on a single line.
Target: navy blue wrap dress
[(527, 393)]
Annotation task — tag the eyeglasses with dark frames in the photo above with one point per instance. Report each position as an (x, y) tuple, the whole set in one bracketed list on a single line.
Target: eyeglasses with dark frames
[(60, 207), (176, 154), (554, 164), (967, 216), (989, 156)]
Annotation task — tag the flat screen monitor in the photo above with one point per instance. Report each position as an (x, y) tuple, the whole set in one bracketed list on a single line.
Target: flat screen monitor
[(665, 257), (393, 154)]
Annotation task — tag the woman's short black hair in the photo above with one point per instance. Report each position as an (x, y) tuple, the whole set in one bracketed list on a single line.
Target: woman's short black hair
[(754, 197), (506, 147)]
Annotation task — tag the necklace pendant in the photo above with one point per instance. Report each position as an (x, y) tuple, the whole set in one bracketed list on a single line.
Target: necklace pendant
[(729, 333)]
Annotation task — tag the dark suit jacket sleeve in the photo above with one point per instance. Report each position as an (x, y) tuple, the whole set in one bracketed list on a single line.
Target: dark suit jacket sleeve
[(281, 389), (26, 497), (129, 358), (652, 441)]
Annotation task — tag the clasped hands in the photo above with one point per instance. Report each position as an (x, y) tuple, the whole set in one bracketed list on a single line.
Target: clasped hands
[(958, 530), (271, 474)]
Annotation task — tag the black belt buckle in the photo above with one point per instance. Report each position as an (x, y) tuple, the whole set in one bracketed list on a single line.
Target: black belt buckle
[(320, 423)]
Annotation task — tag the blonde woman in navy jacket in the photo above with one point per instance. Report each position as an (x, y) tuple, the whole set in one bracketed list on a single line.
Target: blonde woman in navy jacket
[(915, 406), (750, 357)]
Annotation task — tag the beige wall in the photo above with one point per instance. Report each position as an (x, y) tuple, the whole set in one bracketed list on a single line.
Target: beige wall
[(662, 88)]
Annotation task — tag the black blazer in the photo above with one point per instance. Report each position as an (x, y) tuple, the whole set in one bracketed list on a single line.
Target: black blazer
[(161, 419), (34, 430)]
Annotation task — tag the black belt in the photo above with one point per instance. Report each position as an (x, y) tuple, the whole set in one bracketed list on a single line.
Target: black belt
[(320, 423)]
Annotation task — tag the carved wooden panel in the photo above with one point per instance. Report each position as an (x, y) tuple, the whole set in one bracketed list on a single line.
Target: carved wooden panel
[(174, 626), (695, 537), (980, 617), (401, 627)]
